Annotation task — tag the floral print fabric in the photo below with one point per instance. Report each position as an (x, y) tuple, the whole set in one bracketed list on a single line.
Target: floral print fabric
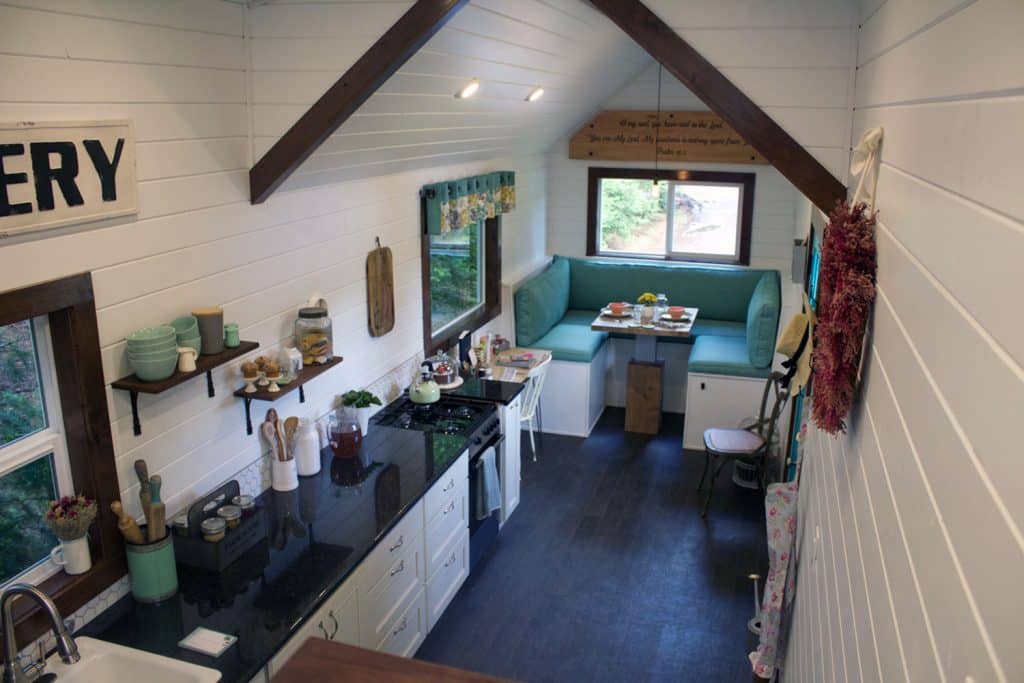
[(779, 588), (457, 204)]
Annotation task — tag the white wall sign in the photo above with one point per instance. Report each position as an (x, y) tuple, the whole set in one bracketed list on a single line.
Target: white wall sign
[(60, 173)]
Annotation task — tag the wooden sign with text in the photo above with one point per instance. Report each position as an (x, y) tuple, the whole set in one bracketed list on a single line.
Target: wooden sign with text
[(55, 173), (681, 136)]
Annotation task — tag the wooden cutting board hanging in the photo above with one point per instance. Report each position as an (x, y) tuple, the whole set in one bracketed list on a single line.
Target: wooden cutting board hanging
[(380, 290)]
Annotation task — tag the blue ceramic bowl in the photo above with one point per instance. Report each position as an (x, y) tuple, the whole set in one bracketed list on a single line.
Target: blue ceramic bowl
[(162, 354), (151, 334), (153, 347), (154, 371), (185, 325)]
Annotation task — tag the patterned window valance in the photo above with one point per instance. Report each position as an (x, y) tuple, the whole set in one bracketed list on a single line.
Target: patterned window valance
[(455, 204)]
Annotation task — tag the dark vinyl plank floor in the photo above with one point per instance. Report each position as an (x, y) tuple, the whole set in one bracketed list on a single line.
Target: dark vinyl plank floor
[(606, 572)]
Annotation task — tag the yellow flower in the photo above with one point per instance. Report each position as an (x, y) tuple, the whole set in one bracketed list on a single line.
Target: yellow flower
[(646, 298)]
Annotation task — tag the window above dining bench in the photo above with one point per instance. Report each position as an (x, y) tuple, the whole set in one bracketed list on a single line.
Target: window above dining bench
[(678, 215)]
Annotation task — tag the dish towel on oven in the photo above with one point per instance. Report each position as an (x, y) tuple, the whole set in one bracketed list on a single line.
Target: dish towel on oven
[(488, 488)]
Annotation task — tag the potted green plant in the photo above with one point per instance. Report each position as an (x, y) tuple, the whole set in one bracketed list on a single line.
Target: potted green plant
[(362, 403), (69, 518)]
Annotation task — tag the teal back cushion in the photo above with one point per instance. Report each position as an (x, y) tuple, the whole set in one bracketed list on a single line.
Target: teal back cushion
[(763, 320), (541, 302), (720, 292)]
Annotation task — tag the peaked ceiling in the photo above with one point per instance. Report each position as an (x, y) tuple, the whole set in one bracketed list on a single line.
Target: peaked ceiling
[(413, 120), (403, 61)]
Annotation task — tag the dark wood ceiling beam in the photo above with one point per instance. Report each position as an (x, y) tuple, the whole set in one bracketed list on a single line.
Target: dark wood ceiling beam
[(709, 84), (385, 57)]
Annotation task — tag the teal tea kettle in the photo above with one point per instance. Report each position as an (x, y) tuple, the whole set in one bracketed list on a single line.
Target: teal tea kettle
[(425, 389)]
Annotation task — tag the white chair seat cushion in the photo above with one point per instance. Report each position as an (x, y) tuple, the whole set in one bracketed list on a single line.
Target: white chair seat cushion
[(732, 441)]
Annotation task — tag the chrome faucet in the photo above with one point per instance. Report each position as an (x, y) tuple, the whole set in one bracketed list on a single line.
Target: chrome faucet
[(12, 671)]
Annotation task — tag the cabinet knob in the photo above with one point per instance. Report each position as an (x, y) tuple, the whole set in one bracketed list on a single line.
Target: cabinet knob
[(397, 545), (449, 487), (400, 567), (451, 561), (703, 386), (336, 625), (401, 627), (451, 506)]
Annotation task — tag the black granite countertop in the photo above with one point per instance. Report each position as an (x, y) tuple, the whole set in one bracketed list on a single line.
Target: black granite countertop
[(488, 390), (317, 536)]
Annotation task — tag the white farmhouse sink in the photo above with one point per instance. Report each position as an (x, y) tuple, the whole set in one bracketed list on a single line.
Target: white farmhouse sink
[(106, 662)]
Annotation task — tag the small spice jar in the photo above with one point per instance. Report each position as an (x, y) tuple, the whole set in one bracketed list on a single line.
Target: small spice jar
[(214, 529), (246, 504), (231, 514), (181, 525), (313, 336)]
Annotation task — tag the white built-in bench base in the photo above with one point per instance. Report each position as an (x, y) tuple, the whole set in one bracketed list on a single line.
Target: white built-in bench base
[(573, 395), (718, 401)]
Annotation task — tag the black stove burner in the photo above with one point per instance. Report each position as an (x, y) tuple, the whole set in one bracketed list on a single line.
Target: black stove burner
[(447, 416)]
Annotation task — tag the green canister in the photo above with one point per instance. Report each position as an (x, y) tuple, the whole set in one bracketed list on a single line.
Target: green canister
[(151, 566)]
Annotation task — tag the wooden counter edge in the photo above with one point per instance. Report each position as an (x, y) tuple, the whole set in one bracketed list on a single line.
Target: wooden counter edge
[(320, 660)]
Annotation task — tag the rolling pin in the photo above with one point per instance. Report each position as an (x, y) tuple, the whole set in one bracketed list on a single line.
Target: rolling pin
[(126, 525), (142, 471)]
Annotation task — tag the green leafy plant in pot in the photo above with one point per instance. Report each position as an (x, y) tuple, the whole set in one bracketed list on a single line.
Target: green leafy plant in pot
[(362, 402)]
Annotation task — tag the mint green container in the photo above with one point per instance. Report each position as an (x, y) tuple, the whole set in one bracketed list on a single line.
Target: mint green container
[(154, 576)]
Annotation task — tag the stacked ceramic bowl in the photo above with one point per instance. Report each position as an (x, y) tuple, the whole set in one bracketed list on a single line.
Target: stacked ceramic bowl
[(187, 330), (153, 352)]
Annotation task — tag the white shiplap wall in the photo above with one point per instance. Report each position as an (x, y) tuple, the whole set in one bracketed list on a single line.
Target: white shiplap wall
[(299, 49), (794, 59), (919, 508), (178, 70)]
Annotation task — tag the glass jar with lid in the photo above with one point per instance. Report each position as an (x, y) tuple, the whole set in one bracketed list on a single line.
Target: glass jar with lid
[(313, 336)]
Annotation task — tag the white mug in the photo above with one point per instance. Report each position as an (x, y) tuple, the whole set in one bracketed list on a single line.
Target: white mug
[(73, 555), (186, 359)]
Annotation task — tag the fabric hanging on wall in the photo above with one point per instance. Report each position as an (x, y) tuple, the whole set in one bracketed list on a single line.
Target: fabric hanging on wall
[(457, 204), (780, 504)]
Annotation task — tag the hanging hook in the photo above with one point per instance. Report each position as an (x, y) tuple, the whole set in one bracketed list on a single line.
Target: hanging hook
[(377, 240)]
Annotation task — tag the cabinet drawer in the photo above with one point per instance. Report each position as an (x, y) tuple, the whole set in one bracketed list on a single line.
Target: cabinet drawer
[(449, 524), (453, 481), (406, 534), (451, 574), (336, 620), (408, 629), (379, 605)]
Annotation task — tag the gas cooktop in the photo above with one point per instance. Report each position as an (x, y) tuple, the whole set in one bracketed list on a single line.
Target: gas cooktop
[(448, 416)]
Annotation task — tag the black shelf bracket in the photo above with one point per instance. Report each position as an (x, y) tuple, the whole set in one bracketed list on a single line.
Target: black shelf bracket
[(209, 383), (302, 394), (248, 416), (136, 425)]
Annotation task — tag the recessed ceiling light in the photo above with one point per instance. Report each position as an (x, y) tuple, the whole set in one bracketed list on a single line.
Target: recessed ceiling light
[(469, 90), (535, 95)]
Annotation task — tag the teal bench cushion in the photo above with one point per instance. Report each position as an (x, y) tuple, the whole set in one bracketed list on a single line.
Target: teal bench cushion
[(715, 355), (542, 302), (572, 341), (763, 320), (721, 293)]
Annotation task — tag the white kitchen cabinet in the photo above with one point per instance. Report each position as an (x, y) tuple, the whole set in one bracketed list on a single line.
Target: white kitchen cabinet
[(337, 620), (510, 460), (449, 521), (406, 631), (448, 578), (718, 401)]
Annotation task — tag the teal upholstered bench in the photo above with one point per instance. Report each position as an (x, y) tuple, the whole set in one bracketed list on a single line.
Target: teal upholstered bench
[(734, 334)]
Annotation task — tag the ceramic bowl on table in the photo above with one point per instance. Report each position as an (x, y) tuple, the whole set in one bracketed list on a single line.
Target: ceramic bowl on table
[(618, 307), (154, 370), (676, 312)]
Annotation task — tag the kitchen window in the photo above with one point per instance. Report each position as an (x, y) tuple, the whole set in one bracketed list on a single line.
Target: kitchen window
[(461, 280), (34, 467), (56, 439), (702, 216)]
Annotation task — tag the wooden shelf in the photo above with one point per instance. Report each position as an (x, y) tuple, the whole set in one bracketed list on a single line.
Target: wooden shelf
[(305, 374), (204, 364)]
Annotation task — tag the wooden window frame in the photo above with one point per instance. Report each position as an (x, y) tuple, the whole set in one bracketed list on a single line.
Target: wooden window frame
[(597, 173), (491, 308), (70, 306)]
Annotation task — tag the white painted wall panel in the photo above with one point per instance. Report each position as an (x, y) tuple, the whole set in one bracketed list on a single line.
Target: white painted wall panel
[(935, 427), (197, 240)]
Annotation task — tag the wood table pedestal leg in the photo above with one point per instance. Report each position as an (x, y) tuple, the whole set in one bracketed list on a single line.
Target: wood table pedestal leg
[(643, 396)]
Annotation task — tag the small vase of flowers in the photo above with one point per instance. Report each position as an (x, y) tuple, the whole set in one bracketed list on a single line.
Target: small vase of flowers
[(70, 518), (647, 301), (362, 403)]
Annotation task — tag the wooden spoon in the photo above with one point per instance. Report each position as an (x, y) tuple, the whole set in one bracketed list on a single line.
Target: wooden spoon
[(291, 425)]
